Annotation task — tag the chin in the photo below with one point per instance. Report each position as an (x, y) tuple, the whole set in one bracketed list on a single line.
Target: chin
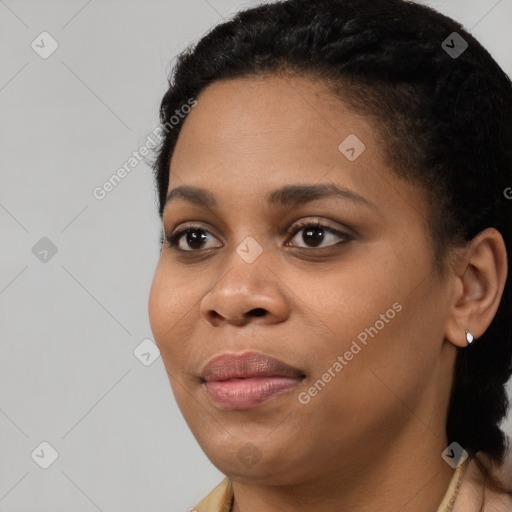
[(251, 462)]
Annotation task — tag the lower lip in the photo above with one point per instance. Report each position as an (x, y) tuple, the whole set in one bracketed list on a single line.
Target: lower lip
[(247, 393)]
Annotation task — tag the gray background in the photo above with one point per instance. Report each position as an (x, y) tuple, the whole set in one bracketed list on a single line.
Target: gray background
[(69, 325)]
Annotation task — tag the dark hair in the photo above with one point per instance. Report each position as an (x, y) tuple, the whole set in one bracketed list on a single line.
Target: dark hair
[(446, 121)]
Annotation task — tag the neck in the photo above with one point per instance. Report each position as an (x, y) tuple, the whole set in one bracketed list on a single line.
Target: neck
[(410, 476)]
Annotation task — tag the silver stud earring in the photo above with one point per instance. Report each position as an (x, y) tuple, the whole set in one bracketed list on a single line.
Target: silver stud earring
[(469, 337)]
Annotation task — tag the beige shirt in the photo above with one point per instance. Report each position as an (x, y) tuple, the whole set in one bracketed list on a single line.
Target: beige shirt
[(472, 489)]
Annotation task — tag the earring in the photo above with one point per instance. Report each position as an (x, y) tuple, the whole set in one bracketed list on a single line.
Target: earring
[(469, 337)]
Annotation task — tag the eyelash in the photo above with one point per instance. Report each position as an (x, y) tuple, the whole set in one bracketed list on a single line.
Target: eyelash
[(173, 239)]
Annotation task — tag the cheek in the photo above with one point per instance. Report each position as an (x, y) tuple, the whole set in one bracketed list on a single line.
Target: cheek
[(173, 307), (342, 303), (368, 313), (166, 308), (157, 305)]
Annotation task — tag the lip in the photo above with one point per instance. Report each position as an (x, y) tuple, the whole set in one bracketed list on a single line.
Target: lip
[(245, 380)]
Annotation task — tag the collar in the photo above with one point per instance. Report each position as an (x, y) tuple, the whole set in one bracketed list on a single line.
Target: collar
[(220, 499), (453, 489)]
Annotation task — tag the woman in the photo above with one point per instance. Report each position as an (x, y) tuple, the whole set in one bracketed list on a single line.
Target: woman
[(332, 301)]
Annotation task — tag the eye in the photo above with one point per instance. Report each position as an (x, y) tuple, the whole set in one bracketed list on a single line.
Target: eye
[(315, 233), (194, 235)]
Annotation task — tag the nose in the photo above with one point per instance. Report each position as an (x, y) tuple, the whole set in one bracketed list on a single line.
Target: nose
[(242, 295)]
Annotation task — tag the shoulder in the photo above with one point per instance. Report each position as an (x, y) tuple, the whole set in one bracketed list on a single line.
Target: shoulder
[(497, 499), (481, 492)]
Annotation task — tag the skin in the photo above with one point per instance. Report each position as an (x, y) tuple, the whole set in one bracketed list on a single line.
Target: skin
[(372, 438)]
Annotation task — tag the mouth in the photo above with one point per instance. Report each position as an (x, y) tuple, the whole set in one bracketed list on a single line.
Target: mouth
[(243, 381)]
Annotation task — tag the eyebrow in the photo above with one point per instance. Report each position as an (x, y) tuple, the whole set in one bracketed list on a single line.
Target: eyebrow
[(289, 195)]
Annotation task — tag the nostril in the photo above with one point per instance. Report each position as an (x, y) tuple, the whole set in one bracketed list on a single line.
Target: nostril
[(257, 312)]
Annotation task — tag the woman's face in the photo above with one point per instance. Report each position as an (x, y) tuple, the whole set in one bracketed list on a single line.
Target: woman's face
[(354, 305)]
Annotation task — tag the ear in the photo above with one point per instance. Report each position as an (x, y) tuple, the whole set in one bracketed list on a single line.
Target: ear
[(480, 277)]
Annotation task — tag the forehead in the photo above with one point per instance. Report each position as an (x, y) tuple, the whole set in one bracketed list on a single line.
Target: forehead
[(247, 137), (284, 108), (269, 126)]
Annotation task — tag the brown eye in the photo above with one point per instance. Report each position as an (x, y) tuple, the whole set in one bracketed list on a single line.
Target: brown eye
[(193, 236), (315, 233)]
